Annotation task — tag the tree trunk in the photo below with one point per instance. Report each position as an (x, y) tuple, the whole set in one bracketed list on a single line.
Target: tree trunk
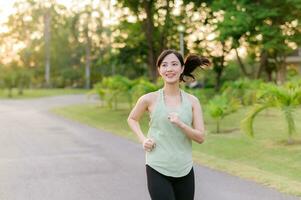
[(88, 64), (270, 75), (47, 37), (88, 52), (20, 88), (281, 73), (218, 80), (166, 27), (263, 63), (218, 126), (149, 32), (10, 92), (219, 68), (241, 65)]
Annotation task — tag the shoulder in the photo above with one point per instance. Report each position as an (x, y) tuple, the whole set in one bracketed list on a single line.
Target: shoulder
[(193, 99), (149, 98)]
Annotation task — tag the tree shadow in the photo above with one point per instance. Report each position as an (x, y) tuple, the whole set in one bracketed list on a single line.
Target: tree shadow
[(225, 131)]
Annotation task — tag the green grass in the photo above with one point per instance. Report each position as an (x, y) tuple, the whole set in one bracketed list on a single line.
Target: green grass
[(36, 93), (266, 159)]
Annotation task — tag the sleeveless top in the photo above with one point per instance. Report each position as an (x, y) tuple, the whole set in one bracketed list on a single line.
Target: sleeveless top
[(172, 155)]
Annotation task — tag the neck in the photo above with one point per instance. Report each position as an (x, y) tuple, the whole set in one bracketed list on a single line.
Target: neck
[(171, 89)]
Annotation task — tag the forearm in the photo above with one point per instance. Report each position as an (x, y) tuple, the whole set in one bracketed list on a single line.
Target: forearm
[(135, 126), (194, 134)]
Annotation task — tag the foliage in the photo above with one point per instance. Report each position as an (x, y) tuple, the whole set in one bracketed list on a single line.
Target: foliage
[(112, 89), (265, 26), (200, 93), (81, 40), (12, 77), (243, 89), (286, 98), (142, 86), (221, 106)]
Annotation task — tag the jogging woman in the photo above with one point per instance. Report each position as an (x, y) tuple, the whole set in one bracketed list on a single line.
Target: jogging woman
[(175, 120)]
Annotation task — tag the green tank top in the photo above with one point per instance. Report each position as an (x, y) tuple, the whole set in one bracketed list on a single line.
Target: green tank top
[(172, 155)]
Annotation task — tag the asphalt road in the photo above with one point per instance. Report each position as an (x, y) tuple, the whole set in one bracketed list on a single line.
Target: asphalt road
[(46, 157)]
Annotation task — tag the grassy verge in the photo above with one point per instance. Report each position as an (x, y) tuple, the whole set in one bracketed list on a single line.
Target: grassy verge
[(36, 93), (266, 159)]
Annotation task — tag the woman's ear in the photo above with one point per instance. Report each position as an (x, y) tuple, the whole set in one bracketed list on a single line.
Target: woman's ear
[(183, 67), (158, 70)]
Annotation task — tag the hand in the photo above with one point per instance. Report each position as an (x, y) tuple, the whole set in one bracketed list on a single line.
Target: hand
[(174, 118), (148, 144)]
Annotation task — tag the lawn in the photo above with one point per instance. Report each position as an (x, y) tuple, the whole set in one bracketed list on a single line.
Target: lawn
[(36, 93), (266, 159)]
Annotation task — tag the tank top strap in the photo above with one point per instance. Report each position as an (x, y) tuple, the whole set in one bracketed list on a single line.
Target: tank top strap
[(160, 100), (185, 98), (158, 103), (160, 94)]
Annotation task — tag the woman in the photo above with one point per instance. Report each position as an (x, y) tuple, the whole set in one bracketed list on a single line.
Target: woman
[(175, 120)]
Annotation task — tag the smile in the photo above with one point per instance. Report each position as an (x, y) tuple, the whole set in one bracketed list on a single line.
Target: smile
[(170, 75)]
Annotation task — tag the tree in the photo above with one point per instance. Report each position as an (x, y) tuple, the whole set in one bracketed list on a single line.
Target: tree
[(47, 38), (88, 22), (285, 98), (221, 106), (147, 23), (264, 25), (155, 20), (31, 34)]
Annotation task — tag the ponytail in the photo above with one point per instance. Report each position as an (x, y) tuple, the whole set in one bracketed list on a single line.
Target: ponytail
[(191, 63)]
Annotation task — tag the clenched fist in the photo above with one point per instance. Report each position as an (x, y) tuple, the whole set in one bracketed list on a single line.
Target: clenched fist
[(174, 118), (148, 144)]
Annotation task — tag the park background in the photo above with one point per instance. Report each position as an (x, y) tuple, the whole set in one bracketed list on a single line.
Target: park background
[(251, 95)]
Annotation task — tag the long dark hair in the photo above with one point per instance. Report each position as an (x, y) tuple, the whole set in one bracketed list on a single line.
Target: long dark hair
[(191, 62)]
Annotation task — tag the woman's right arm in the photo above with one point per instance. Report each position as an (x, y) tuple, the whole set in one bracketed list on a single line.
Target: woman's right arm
[(133, 121)]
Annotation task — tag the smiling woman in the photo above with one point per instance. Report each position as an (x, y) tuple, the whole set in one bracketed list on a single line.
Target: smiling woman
[(176, 121)]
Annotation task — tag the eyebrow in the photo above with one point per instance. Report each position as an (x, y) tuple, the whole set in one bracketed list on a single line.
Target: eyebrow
[(174, 61)]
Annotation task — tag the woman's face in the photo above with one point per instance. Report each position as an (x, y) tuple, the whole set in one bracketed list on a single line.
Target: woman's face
[(170, 69)]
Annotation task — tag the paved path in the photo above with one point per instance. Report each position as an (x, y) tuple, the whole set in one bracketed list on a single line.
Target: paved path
[(46, 157)]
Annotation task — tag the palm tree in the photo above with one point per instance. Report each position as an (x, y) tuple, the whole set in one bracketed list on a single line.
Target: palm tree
[(285, 98), (221, 106), (243, 89)]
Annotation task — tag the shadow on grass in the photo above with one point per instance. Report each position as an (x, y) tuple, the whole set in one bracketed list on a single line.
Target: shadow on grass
[(225, 131), (291, 143)]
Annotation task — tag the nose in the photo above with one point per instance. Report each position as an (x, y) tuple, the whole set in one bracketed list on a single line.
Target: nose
[(169, 68)]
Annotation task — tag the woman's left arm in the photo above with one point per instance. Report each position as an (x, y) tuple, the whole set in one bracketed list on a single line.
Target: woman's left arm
[(197, 131)]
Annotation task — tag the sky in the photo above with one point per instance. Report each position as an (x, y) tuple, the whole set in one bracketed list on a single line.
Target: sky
[(6, 7)]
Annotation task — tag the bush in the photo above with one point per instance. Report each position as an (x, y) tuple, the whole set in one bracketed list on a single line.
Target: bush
[(112, 89), (221, 106), (243, 89)]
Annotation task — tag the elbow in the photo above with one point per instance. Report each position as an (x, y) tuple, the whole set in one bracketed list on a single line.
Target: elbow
[(129, 120)]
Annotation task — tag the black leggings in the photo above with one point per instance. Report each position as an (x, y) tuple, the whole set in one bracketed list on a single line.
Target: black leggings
[(163, 187)]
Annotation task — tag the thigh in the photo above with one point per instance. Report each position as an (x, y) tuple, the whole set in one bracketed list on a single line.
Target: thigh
[(184, 187), (159, 187)]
